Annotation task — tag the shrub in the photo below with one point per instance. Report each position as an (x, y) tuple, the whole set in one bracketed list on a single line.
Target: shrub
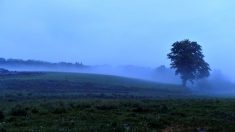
[(141, 109), (2, 129), (18, 110), (163, 108), (59, 110), (35, 110), (106, 107), (2, 116)]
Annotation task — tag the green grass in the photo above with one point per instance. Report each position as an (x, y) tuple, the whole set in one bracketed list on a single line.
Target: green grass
[(75, 85), (120, 115), (90, 78), (52, 102)]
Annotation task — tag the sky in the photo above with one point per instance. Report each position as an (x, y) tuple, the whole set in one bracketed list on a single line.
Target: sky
[(117, 32)]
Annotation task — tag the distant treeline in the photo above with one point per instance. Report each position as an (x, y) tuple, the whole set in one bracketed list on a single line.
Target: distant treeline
[(37, 63)]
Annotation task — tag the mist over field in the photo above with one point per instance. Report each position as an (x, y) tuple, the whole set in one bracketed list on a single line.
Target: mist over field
[(216, 84), (117, 65), (118, 37), (116, 32)]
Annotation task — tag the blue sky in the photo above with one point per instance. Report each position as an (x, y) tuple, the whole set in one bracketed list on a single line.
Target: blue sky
[(116, 32)]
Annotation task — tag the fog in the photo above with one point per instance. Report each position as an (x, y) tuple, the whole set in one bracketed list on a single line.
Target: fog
[(127, 38), (217, 84), (159, 74)]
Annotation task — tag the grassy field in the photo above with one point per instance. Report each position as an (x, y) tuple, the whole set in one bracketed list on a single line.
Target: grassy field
[(69, 85), (45, 102)]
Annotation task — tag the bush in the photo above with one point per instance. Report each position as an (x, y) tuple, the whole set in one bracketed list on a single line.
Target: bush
[(2, 116), (18, 110), (163, 108), (2, 129), (141, 109), (106, 107), (59, 110), (35, 110)]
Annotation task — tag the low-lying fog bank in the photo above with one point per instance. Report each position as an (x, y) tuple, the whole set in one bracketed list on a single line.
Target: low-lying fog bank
[(216, 84), (160, 74)]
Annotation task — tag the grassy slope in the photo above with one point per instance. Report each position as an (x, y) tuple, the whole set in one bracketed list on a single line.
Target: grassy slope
[(91, 78), (84, 84), (41, 102)]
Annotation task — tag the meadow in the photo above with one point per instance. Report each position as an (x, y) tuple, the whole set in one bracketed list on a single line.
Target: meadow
[(45, 102)]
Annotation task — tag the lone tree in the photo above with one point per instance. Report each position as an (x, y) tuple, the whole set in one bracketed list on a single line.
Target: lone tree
[(188, 61)]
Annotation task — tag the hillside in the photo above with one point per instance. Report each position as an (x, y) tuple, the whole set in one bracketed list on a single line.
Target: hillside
[(51, 102), (75, 85)]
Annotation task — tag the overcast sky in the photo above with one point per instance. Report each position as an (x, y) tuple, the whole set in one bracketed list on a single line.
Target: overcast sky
[(117, 32)]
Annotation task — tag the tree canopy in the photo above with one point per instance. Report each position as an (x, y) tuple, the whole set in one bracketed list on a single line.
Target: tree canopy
[(188, 61)]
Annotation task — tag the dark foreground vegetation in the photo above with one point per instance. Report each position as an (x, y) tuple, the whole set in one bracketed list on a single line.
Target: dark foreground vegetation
[(118, 115), (44, 102)]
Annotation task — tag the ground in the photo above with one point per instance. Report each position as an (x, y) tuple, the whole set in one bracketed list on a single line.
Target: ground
[(89, 102)]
